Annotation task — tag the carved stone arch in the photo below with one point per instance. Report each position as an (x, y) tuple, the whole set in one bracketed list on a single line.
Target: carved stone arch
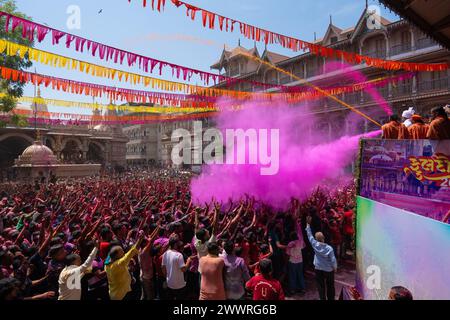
[(96, 152), (98, 144), (72, 150), (12, 146), (50, 142), (66, 140), (16, 135)]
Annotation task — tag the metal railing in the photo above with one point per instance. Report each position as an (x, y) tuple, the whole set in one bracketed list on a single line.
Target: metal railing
[(384, 92), (311, 72), (424, 43), (334, 104), (375, 53), (137, 153), (285, 79), (401, 48), (353, 98), (432, 85), (402, 89)]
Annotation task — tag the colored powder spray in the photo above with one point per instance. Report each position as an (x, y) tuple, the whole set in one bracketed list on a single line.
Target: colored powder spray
[(305, 160)]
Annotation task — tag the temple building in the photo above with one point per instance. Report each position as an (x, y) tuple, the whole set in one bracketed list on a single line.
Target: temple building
[(38, 163), (70, 144)]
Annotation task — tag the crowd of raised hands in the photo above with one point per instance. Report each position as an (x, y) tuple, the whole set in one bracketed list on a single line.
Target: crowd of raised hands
[(45, 227)]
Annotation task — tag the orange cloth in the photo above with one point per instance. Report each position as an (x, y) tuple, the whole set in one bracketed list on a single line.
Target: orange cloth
[(439, 129), (391, 130), (212, 286), (403, 132), (418, 131)]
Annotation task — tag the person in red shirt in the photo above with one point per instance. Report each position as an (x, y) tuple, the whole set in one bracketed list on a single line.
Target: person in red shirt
[(392, 128), (265, 252), (347, 228), (254, 249), (244, 244), (106, 237), (418, 130), (263, 286), (336, 236)]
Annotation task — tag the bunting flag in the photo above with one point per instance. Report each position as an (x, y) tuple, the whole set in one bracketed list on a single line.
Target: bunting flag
[(60, 118), (162, 98), (112, 93), (55, 60), (209, 20), (172, 109), (96, 106), (35, 31)]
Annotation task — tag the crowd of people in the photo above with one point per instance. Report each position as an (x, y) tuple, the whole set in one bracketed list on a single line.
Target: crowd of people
[(139, 236), (415, 127)]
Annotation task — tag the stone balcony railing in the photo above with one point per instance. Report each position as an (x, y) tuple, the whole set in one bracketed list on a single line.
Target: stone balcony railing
[(376, 54), (399, 49), (424, 43), (137, 153), (434, 85)]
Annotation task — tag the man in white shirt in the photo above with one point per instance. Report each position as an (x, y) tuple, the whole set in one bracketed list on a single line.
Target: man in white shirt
[(173, 267), (70, 277)]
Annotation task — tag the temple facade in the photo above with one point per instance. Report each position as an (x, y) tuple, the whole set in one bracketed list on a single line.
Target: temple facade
[(397, 40)]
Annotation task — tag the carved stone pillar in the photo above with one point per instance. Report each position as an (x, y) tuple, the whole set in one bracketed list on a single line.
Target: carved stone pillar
[(414, 84), (58, 147), (413, 39)]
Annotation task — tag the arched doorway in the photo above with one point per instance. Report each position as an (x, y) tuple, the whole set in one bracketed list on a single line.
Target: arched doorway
[(95, 154), (72, 153), (49, 142), (11, 147)]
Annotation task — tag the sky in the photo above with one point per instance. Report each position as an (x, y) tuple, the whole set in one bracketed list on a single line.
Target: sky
[(173, 37)]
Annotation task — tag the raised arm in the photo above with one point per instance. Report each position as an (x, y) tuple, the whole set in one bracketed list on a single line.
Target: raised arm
[(94, 229), (446, 217), (152, 238), (196, 224), (45, 244), (21, 234), (88, 263), (215, 220), (132, 252), (252, 224), (309, 233)]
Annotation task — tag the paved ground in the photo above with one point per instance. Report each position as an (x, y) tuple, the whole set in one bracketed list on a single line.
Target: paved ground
[(345, 276)]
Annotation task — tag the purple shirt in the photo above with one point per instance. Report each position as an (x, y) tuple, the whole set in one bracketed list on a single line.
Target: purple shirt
[(235, 277), (162, 241)]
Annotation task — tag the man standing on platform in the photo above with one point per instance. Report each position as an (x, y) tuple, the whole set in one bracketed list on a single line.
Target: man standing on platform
[(394, 129), (440, 126), (407, 116), (324, 263), (419, 129)]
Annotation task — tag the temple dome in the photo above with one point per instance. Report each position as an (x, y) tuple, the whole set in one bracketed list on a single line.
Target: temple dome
[(102, 128), (37, 154)]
